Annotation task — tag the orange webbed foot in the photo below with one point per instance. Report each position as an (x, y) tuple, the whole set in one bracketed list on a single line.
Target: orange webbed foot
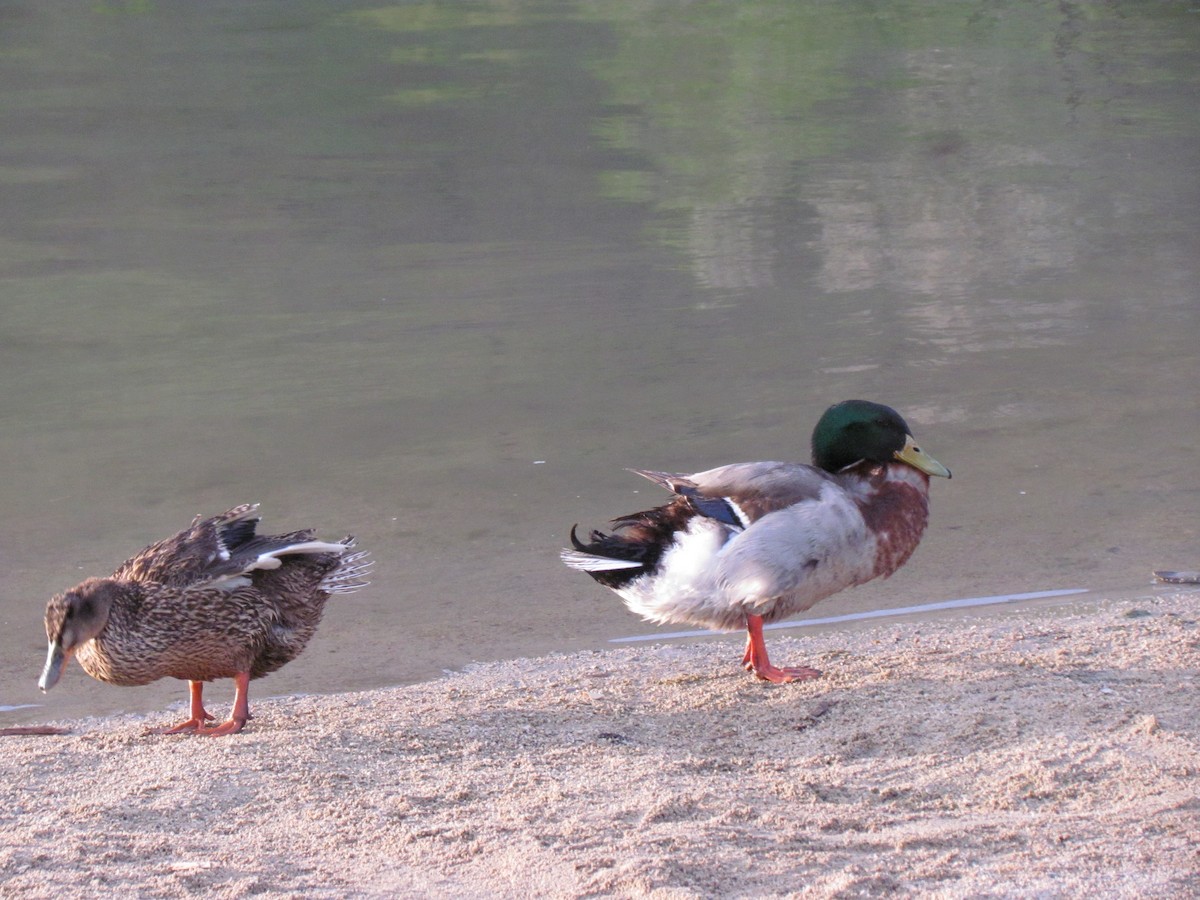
[(755, 658), (198, 723), (230, 726), (784, 674), (199, 715), (195, 723), (241, 709)]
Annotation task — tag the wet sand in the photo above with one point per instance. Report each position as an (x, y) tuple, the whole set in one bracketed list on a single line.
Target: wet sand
[(1050, 752)]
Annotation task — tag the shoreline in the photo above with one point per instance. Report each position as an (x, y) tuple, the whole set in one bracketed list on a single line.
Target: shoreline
[(80, 697), (1008, 753)]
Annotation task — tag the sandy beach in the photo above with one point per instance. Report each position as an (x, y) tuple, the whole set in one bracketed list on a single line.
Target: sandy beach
[(1046, 752)]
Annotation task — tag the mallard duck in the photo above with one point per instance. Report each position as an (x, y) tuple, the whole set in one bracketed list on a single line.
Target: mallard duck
[(751, 543), (213, 601)]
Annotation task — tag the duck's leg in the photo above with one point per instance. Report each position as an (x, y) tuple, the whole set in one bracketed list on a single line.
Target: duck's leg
[(241, 708), (755, 658), (199, 715)]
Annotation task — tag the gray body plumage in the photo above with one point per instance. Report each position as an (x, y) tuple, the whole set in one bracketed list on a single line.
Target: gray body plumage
[(764, 538)]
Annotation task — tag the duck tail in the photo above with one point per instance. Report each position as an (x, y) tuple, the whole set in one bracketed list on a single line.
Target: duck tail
[(351, 572), (610, 560), (604, 554), (632, 549)]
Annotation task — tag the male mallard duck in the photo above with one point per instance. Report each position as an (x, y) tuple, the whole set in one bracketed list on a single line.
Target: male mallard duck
[(214, 601), (750, 543)]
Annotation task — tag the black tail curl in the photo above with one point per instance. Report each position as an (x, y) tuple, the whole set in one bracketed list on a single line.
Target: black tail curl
[(640, 537)]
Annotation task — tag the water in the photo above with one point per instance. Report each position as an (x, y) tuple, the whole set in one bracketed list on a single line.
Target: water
[(433, 274)]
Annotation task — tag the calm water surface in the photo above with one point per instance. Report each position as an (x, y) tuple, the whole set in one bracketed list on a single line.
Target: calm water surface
[(434, 273)]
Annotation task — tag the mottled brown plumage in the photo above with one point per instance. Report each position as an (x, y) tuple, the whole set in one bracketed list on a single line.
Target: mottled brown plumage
[(213, 601)]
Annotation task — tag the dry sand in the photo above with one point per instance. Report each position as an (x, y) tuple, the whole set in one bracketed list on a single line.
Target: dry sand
[(1040, 752)]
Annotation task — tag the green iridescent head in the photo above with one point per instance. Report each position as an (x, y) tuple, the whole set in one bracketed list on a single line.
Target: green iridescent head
[(856, 430)]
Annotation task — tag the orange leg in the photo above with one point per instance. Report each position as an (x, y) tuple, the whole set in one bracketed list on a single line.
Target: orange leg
[(755, 658), (199, 716), (241, 708)]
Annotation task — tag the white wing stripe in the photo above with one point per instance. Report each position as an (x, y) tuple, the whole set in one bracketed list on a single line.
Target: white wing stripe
[(270, 559)]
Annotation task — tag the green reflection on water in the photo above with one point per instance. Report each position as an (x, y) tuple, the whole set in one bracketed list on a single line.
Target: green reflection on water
[(716, 113)]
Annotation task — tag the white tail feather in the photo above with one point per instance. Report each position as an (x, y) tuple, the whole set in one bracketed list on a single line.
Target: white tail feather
[(586, 562), (351, 574)]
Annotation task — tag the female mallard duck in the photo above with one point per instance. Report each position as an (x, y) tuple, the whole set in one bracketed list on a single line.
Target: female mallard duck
[(751, 543), (214, 601)]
